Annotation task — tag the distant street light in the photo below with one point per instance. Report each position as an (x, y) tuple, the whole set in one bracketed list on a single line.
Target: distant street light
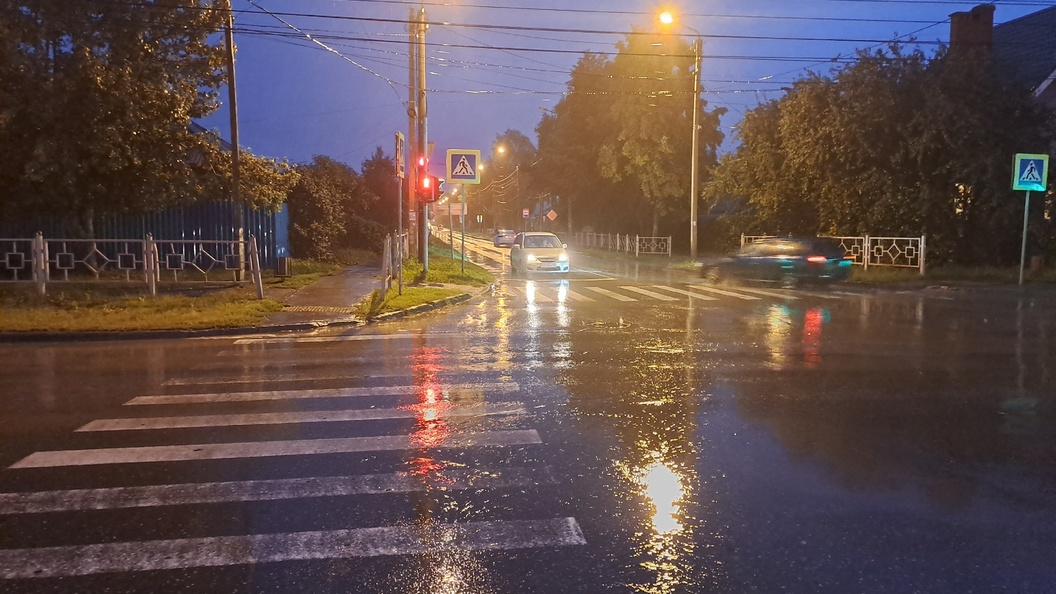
[(668, 18)]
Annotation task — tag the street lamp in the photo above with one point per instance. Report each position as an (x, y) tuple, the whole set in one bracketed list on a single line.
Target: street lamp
[(694, 175)]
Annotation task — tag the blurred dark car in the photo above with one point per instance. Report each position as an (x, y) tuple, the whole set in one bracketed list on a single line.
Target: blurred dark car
[(504, 238), (787, 261)]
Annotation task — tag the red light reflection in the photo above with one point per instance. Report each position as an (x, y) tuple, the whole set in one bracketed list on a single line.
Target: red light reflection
[(431, 427), (812, 323)]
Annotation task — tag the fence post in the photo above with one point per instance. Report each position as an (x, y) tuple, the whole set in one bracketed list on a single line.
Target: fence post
[(40, 264), (668, 246), (150, 265), (923, 246), (742, 239), (636, 244), (868, 254), (254, 264)]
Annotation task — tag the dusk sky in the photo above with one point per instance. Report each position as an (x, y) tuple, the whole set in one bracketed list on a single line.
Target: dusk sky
[(297, 98)]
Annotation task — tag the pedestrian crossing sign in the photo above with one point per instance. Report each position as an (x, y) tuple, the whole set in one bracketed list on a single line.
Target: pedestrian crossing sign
[(463, 166), (1030, 172)]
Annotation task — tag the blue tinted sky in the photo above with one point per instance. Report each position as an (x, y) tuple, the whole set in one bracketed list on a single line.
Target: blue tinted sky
[(297, 99)]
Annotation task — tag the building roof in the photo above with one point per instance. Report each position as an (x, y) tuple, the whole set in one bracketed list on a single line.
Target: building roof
[(1025, 49)]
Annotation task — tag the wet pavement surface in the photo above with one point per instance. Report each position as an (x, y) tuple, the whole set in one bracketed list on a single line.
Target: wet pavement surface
[(621, 430)]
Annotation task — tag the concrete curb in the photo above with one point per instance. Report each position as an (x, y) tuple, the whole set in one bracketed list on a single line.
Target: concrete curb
[(14, 337)]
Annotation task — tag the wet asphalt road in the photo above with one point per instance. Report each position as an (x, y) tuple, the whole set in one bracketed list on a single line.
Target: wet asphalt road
[(620, 431)]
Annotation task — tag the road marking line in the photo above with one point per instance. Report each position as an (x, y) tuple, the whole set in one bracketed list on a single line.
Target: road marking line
[(768, 293), (536, 296), (270, 378), (819, 295), (577, 297), (265, 449), (612, 294), (687, 293), (649, 293), (267, 490), (726, 293), (219, 551), (451, 392), (322, 416)]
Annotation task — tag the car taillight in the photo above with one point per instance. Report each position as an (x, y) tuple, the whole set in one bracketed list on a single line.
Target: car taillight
[(816, 259)]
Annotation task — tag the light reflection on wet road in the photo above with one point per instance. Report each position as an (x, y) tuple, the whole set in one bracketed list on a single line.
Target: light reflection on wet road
[(803, 441)]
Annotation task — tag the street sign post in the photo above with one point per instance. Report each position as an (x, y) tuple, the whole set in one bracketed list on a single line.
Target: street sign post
[(1029, 172)]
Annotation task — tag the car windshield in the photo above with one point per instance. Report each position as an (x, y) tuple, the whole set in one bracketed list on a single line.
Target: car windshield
[(542, 241)]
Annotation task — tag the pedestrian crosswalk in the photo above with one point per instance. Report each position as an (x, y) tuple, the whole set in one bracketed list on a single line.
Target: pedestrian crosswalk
[(166, 429), (562, 292)]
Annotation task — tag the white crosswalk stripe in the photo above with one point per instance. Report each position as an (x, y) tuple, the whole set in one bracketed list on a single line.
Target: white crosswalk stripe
[(265, 449), (448, 391), (574, 296), (455, 479), (327, 416), (725, 293), (768, 293), (648, 293), (610, 294), (268, 548), (687, 293)]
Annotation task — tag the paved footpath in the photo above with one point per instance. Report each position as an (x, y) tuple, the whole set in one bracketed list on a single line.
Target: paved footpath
[(330, 300)]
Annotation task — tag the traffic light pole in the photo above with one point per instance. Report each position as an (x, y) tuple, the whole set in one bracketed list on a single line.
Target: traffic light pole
[(423, 136)]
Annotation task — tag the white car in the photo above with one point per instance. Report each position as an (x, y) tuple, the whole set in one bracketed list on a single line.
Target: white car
[(536, 251)]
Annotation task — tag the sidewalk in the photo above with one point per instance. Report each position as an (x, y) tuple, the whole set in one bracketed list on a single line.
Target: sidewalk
[(329, 300)]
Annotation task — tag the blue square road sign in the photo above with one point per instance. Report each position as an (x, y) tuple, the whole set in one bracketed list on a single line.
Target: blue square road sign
[(1030, 172)]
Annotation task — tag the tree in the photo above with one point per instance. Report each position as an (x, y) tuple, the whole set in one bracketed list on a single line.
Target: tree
[(379, 178), (653, 109), (570, 138), (326, 211), (893, 144), (96, 103)]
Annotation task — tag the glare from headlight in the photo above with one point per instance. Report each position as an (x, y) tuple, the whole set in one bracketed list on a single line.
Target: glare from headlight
[(531, 257), (563, 257)]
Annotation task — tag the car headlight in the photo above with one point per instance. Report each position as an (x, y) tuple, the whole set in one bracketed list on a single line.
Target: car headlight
[(531, 257), (563, 257)]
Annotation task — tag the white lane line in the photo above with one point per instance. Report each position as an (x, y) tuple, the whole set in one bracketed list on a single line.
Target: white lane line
[(649, 293), (446, 409), (726, 293), (768, 293), (611, 294), (264, 449), (205, 380), (266, 490), (687, 293), (449, 393), (154, 555)]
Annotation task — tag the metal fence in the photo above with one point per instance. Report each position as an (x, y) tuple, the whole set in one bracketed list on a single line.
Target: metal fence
[(900, 252), (636, 244), (46, 261)]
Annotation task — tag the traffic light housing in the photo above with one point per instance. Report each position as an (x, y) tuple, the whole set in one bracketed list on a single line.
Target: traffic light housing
[(429, 188)]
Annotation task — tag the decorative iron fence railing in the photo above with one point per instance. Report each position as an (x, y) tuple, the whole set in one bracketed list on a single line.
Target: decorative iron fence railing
[(636, 244), (901, 252), (45, 261)]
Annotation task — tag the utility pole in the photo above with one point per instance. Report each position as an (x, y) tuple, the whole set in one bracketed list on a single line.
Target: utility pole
[(411, 182), (236, 195)]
